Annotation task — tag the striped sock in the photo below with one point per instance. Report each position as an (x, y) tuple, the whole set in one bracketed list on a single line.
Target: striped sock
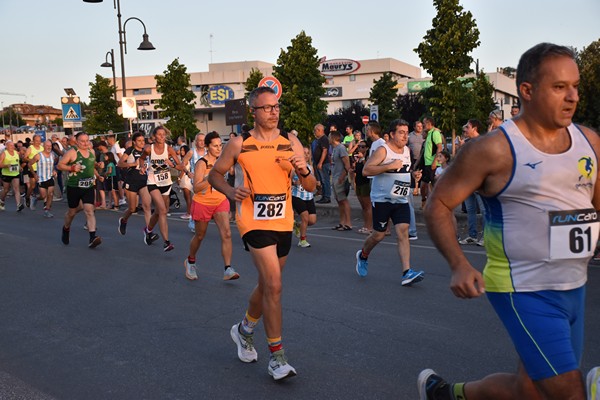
[(274, 344), (248, 324)]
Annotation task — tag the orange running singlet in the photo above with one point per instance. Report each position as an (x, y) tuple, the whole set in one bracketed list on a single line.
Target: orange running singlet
[(263, 167), (208, 197)]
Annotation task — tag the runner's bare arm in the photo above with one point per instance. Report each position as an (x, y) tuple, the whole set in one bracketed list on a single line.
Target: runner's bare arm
[(309, 182), (216, 177)]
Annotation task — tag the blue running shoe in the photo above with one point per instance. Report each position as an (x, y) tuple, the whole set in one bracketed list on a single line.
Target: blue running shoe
[(361, 265), (411, 276)]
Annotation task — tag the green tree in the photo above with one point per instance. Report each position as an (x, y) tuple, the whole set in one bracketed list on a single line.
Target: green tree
[(102, 112), (252, 83), (177, 100), (588, 110), (302, 87), (445, 54), (351, 115), (384, 95), (411, 107), (481, 94), (11, 117)]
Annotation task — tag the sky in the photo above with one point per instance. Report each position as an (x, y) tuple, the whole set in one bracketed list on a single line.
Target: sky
[(52, 45)]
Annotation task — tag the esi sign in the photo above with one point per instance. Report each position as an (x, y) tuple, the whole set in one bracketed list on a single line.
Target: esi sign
[(219, 94), (339, 66)]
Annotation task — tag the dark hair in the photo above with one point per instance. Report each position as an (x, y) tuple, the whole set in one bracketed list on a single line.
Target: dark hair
[(446, 154), (257, 92), (350, 126), (111, 157), (159, 127), (184, 147), (475, 123), (209, 137), (396, 123), (374, 127), (530, 61), (137, 135), (76, 136), (430, 119), (335, 136)]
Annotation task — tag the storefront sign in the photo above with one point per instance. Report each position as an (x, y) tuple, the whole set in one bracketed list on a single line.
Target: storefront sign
[(339, 66), (220, 94)]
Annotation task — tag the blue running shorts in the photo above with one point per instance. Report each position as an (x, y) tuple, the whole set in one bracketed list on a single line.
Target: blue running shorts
[(546, 328)]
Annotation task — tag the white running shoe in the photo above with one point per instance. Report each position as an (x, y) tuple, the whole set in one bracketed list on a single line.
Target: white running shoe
[(303, 243), (245, 345), (190, 270), (230, 274), (279, 367)]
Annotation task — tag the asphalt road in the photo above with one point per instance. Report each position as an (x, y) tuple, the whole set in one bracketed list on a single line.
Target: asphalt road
[(122, 322)]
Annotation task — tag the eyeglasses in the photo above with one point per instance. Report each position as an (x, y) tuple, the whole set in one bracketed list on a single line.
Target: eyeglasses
[(268, 108)]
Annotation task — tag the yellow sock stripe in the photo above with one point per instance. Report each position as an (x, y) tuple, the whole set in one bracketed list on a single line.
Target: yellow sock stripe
[(529, 334), (251, 318), (270, 341)]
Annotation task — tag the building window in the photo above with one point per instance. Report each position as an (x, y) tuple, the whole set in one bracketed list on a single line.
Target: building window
[(153, 101), (352, 78), (137, 92)]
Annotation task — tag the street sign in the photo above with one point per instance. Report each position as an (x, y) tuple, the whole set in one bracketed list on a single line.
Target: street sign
[(273, 83), (365, 120), (235, 112), (374, 113), (71, 112)]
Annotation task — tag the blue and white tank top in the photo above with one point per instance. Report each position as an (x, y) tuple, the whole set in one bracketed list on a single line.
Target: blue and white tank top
[(45, 167), (541, 228), (392, 186)]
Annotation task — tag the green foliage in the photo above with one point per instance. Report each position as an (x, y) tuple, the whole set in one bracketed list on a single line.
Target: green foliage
[(588, 110), (177, 100), (411, 107), (302, 87), (481, 95), (252, 83), (102, 113), (384, 94), (351, 115), (445, 54), (11, 117)]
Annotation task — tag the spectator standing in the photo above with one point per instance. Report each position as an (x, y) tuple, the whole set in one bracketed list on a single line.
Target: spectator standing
[(322, 166)]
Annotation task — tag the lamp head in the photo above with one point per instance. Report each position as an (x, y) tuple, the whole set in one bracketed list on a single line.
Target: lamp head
[(106, 65), (146, 45), (92, 1)]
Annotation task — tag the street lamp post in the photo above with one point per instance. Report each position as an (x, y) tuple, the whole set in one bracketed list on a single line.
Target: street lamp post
[(145, 45), (111, 64)]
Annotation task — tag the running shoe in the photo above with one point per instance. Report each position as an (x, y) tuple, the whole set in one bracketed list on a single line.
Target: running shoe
[(122, 202), (20, 207), (279, 367), (303, 243), (468, 240), (185, 216), (48, 214), (190, 270), (230, 274), (85, 226), (361, 265), (32, 203), (122, 226), (413, 237), (168, 246), (481, 242), (428, 384), (593, 384), (411, 276), (297, 229), (65, 236), (2, 208), (245, 345), (95, 242), (149, 237)]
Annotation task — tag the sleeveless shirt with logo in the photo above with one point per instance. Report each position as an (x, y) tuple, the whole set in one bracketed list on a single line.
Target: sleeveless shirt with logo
[(541, 228), (392, 186), (13, 164), (33, 152), (83, 179), (263, 168), (208, 196), (159, 173)]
